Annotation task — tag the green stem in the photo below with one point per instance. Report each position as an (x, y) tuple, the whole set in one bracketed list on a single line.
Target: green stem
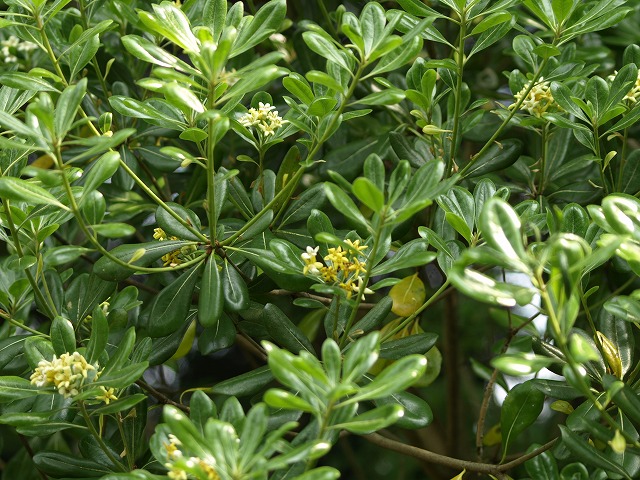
[(623, 160), (367, 274), (543, 159), (90, 236), (22, 326), (49, 49), (211, 183), (129, 454), (130, 172), (561, 342), (47, 304), (162, 204), (596, 144), (96, 435), (458, 97), (94, 60), (505, 122), (314, 150)]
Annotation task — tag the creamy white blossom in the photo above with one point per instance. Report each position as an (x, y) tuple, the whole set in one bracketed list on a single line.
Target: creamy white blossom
[(265, 118), (538, 100)]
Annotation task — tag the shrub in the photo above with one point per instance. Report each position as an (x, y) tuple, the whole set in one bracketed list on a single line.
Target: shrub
[(238, 237)]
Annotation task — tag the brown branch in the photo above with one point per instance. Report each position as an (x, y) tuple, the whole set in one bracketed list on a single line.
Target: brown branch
[(161, 397), (451, 366), (27, 447), (454, 463), (323, 300)]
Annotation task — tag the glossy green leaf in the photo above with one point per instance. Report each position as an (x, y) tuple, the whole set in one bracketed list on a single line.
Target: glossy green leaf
[(245, 384), (36, 349), (67, 107), (113, 230), (120, 356), (266, 21), (66, 465), (501, 229), (173, 227), (520, 364), (171, 22), (412, 254), (368, 193), (543, 466), (343, 203), (284, 331), (143, 254), (24, 81), (398, 348), (149, 52), (15, 388), (588, 454), (301, 208), (24, 191), (63, 336), (170, 307), (396, 377), (374, 317), (497, 157), (325, 48), (211, 299), (373, 420), (121, 405), (277, 398), (234, 288), (99, 335), (417, 412), (79, 55), (520, 409), (459, 207)]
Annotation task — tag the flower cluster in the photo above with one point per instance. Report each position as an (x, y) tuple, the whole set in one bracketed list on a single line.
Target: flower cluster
[(107, 395), (11, 46), (538, 100), (632, 95), (176, 257), (67, 373), (182, 468), (343, 267), (265, 117)]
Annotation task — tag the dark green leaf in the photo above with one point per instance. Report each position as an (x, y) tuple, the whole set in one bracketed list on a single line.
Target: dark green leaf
[(170, 307), (107, 269), (588, 454), (520, 409), (284, 331), (234, 288), (63, 336), (401, 347), (244, 385)]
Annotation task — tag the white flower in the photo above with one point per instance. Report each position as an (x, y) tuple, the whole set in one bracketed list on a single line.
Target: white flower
[(265, 118), (538, 100), (66, 374)]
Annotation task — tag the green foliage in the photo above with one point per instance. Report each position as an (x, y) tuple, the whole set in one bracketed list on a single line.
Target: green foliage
[(290, 224)]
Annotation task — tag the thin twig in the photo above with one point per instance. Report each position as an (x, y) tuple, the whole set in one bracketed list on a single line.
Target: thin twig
[(161, 397), (453, 375), (454, 463), (323, 300), (27, 447)]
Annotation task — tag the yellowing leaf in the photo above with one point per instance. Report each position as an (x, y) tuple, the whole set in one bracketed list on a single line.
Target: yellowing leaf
[(408, 295), (187, 342), (43, 161), (460, 475), (434, 365), (493, 436)]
